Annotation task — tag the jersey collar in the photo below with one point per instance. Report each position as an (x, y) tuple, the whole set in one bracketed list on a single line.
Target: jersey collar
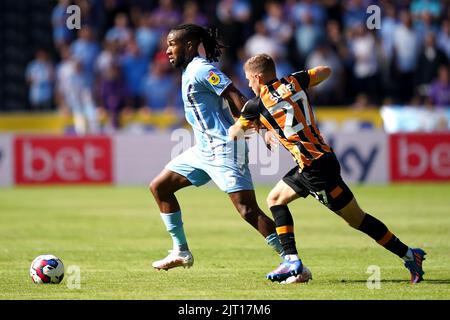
[(271, 81)]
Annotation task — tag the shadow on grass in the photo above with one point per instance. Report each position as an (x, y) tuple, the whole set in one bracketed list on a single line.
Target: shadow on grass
[(433, 281)]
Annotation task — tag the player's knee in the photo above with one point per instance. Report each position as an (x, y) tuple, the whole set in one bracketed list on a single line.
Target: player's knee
[(274, 199), (246, 211), (271, 200), (156, 188), (152, 187)]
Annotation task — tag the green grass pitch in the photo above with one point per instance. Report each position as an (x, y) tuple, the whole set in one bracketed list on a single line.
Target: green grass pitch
[(114, 233)]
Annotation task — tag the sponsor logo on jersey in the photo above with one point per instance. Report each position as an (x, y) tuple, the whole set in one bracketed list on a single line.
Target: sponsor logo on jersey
[(213, 78)]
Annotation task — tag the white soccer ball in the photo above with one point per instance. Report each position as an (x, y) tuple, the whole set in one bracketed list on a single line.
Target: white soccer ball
[(47, 269)]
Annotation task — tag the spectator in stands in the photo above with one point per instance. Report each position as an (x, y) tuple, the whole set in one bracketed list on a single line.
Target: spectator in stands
[(439, 90), (275, 22), (406, 51), (336, 39), (39, 75), (134, 67), (192, 14), (431, 7), (162, 101), (302, 8), (147, 36), (61, 34), (365, 68), (354, 13), (329, 92), (308, 35), (233, 10), (430, 58), (165, 16), (333, 11), (86, 50), (158, 88), (89, 12), (108, 57), (79, 98), (262, 42), (64, 70), (443, 37), (279, 29), (113, 95), (386, 41), (335, 35), (291, 31), (233, 18), (424, 26), (238, 74), (120, 32), (338, 43), (386, 32)]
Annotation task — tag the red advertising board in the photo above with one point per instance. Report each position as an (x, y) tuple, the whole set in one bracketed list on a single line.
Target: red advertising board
[(420, 157), (66, 160)]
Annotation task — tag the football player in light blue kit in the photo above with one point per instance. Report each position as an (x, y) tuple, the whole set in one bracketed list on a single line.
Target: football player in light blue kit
[(211, 103)]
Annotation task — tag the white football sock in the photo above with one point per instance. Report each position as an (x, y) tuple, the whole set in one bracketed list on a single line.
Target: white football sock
[(291, 257)]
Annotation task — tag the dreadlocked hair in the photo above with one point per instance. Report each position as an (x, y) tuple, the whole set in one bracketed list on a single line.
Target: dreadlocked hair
[(208, 36)]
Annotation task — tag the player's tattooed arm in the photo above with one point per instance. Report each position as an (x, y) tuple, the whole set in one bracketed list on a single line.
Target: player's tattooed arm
[(235, 99), (318, 74)]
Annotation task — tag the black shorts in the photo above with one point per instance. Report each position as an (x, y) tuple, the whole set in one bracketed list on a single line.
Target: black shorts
[(323, 180)]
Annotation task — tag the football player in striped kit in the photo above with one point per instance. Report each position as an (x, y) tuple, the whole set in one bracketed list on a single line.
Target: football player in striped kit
[(283, 107)]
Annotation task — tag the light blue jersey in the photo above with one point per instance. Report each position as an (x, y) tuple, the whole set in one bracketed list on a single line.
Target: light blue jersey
[(206, 111), (213, 156)]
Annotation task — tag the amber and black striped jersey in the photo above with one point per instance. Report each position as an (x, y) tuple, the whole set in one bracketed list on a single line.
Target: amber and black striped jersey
[(284, 108)]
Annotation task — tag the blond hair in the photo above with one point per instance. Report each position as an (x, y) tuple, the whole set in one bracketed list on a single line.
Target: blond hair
[(262, 64)]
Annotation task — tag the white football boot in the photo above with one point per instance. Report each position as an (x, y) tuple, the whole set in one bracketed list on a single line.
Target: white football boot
[(305, 276), (175, 259)]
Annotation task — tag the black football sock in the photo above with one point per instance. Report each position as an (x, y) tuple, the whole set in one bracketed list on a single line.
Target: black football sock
[(285, 228), (378, 231)]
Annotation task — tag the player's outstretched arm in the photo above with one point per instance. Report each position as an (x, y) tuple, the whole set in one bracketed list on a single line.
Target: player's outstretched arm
[(235, 99), (318, 74)]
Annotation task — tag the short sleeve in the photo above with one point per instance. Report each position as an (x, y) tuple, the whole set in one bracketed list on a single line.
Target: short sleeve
[(214, 80), (251, 110), (302, 78)]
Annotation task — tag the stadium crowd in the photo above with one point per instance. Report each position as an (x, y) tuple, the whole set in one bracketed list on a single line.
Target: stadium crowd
[(116, 63)]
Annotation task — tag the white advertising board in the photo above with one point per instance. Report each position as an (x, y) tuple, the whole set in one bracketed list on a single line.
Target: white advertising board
[(139, 158), (363, 156)]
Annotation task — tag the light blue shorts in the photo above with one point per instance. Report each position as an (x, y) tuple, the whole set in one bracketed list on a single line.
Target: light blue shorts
[(228, 173)]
